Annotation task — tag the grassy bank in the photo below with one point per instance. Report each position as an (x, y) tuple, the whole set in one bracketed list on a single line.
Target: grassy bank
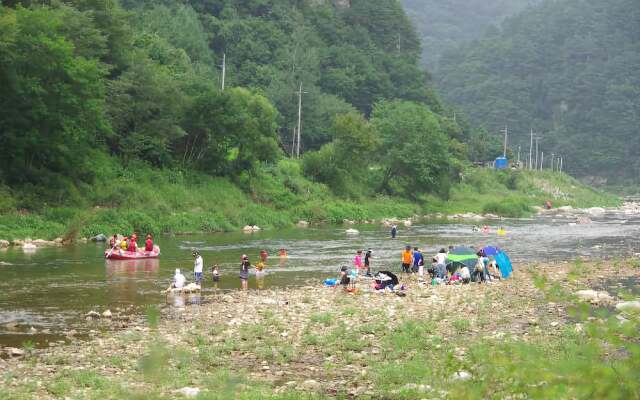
[(167, 201), (163, 202), (523, 338), (516, 193)]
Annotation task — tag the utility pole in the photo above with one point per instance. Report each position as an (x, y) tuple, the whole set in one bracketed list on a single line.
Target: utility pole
[(224, 68), (537, 138), (561, 159), (518, 155), (552, 155), (300, 92), (542, 161), (293, 143), (506, 133), (531, 151)]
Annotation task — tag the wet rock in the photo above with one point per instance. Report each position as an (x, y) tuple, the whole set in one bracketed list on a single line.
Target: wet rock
[(58, 241), (188, 391), (352, 232), (583, 220), (14, 352), (107, 314), (628, 306), (407, 223), (92, 314), (595, 211), (4, 243), (348, 222), (250, 228), (99, 238)]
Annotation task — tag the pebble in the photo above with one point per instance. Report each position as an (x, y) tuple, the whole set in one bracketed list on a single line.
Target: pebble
[(461, 376), (188, 391)]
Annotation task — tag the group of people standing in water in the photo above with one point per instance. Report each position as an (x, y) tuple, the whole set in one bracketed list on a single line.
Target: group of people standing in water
[(245, 266)]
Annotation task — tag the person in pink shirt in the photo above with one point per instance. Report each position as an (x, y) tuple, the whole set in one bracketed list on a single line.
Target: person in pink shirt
[(357, 261)]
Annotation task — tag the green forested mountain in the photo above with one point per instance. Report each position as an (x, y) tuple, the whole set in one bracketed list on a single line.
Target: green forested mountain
[(569, 69), (87, 82), (443, 24)]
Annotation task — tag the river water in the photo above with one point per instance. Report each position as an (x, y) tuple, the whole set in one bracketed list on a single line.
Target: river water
[(47, 292)]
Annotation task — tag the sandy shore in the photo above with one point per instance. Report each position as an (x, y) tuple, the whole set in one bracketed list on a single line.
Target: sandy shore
[(309, 339)]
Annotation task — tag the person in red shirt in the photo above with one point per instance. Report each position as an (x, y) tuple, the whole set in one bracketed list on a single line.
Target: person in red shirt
[(133, 245), (148, 244)]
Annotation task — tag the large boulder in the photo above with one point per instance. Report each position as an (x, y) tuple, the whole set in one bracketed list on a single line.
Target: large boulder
[(99, 238), (352, 232), (4, 243), (629, 306), (594, 296), (595, 211)]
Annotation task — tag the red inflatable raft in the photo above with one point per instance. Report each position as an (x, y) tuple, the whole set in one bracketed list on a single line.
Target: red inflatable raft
[(119, 254)]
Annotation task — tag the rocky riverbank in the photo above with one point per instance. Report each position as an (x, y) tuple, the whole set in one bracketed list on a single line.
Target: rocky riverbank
[(315, 340)]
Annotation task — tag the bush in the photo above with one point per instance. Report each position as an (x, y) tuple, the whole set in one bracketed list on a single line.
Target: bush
[(509, 207)]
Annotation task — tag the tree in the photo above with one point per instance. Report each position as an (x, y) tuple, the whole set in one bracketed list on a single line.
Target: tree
[(416, 158), (50, 110), (345, 163), (229, 132)]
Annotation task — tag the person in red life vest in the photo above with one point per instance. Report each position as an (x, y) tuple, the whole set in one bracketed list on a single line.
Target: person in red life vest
[(148, 244), (133, 245), (283, 253), (264, 255)]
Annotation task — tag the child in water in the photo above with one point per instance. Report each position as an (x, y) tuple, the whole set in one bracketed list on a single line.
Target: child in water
[(215, 273)]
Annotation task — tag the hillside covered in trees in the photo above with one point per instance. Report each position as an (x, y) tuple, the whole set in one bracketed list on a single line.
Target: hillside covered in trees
[(141, 82), (568, 69), (443, 24), (109, 107), (113, 117)]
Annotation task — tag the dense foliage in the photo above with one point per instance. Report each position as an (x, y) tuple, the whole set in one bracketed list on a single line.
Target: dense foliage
[(447, 23), (141, 82), (568, 69)]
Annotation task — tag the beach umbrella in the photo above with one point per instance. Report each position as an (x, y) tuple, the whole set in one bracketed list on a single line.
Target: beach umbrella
[(504, 263), (491, 251)]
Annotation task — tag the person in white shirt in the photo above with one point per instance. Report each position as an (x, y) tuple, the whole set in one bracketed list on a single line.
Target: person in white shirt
[(440, 267), (197, 267), (178, 280)]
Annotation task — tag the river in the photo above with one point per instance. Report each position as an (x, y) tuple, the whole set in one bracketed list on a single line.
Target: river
[(45, 293)]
